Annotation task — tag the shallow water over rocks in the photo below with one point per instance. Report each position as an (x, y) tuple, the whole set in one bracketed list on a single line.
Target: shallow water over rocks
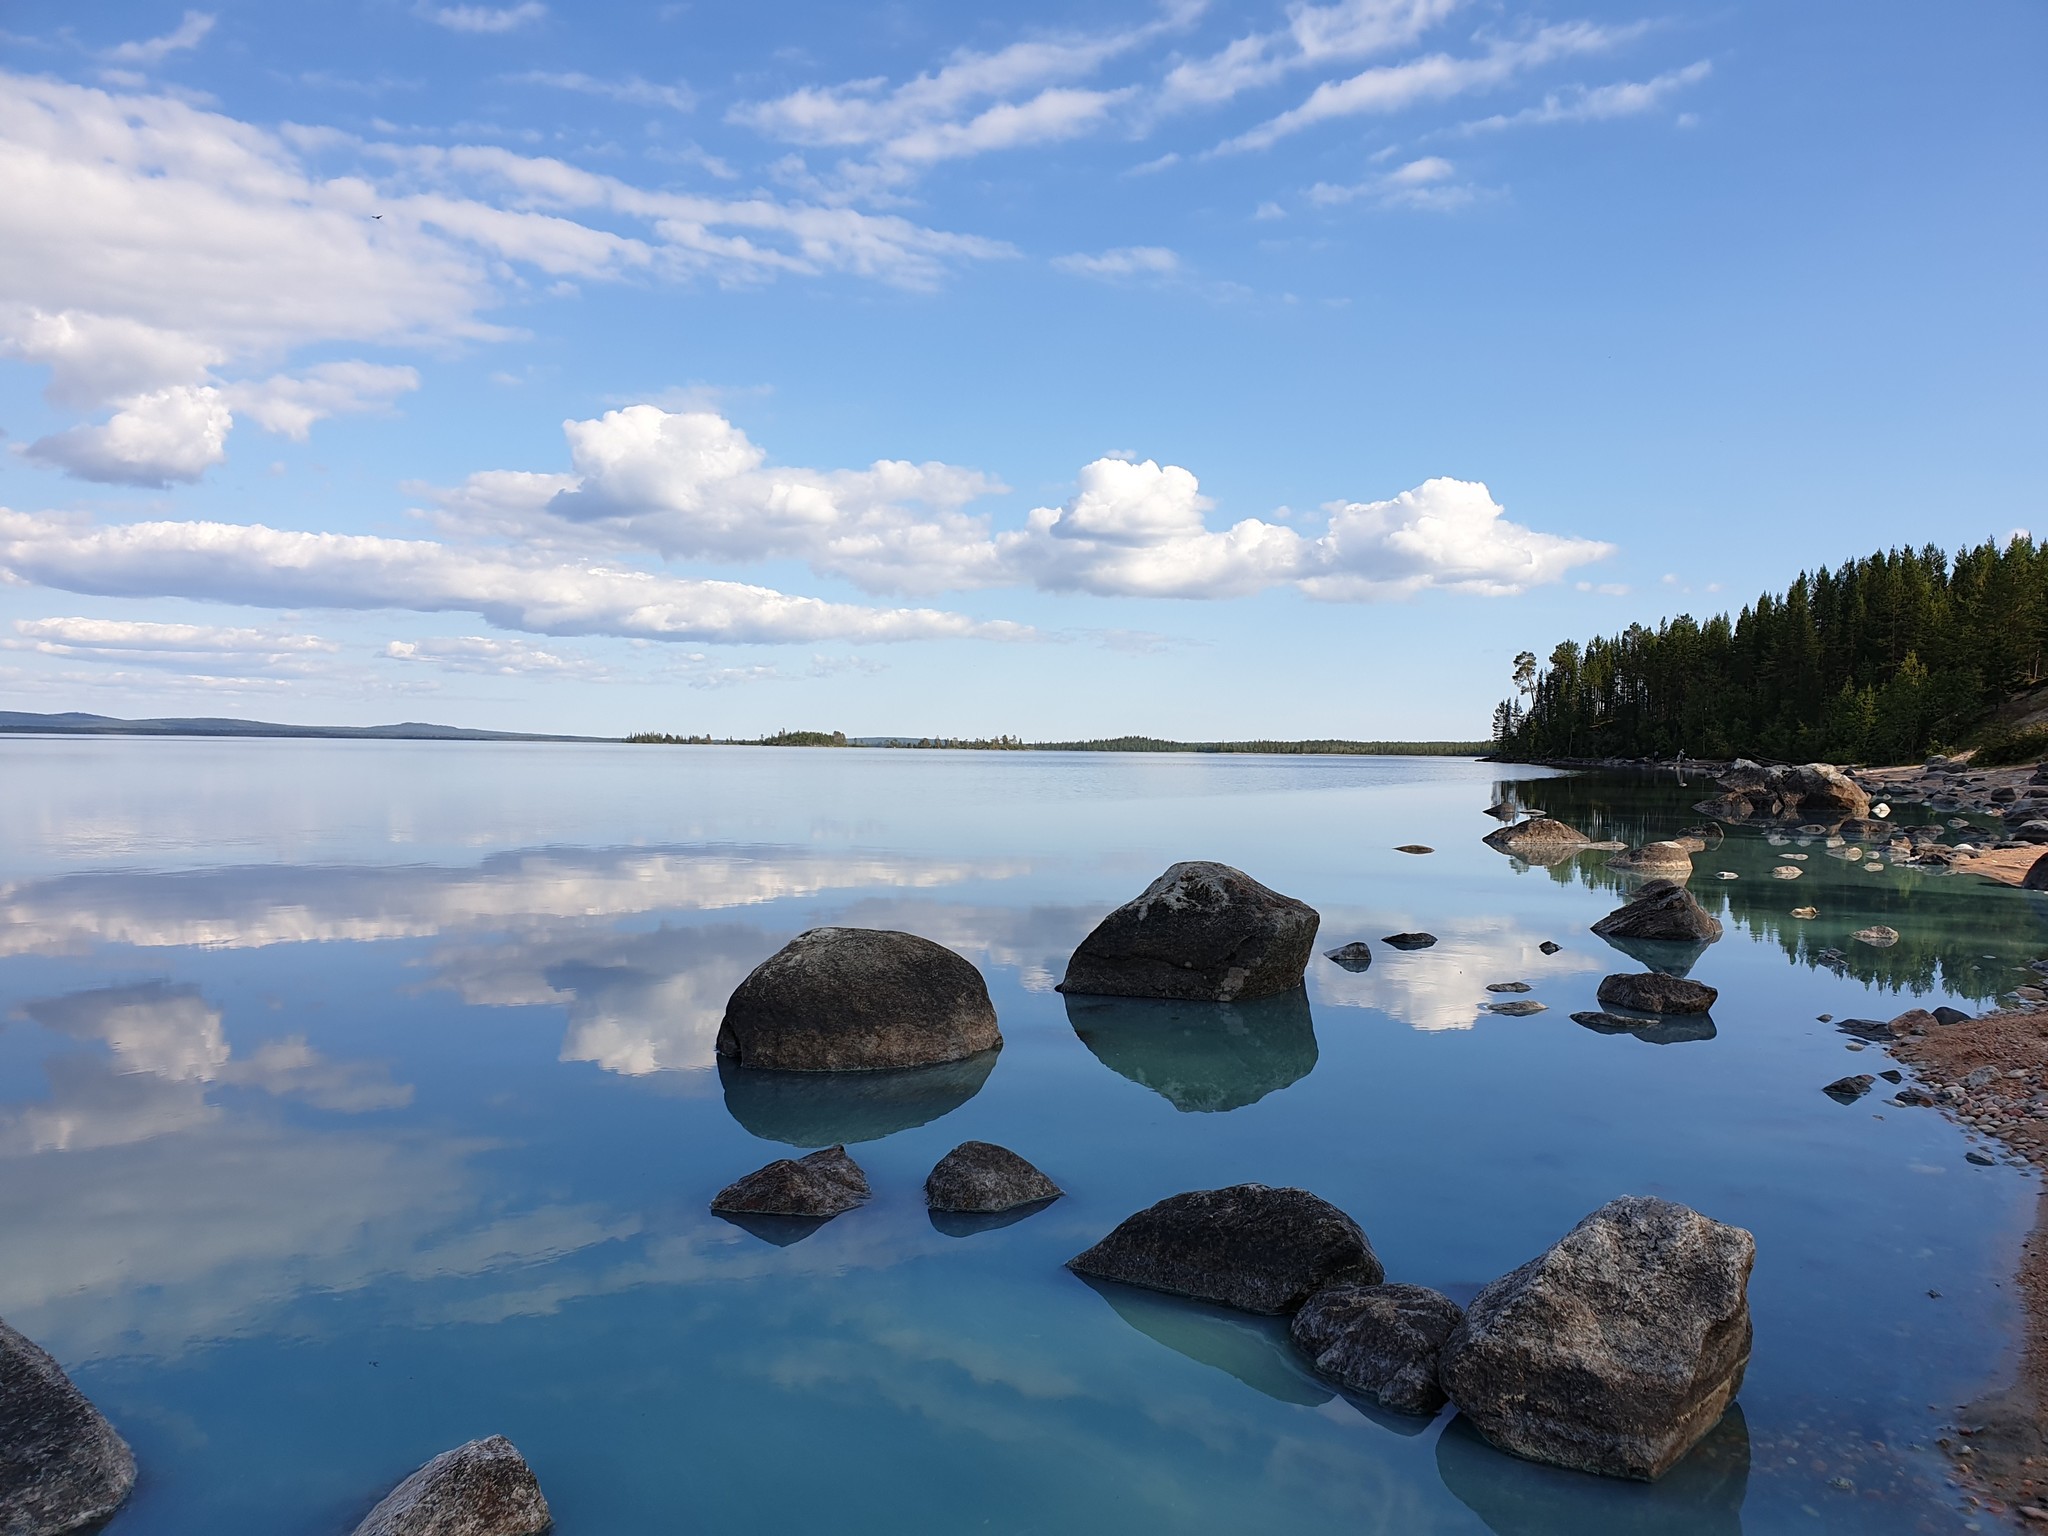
[(359, 1099)]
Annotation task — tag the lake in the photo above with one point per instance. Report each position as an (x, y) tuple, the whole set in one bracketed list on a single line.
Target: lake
[(358, 1099)]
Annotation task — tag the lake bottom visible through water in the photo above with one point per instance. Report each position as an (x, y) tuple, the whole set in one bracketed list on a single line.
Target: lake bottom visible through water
[(358, 1099)]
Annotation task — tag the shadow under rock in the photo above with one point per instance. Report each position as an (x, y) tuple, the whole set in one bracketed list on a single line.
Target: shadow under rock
[(1200, 1057), (1701, 1496), (822, 1109)]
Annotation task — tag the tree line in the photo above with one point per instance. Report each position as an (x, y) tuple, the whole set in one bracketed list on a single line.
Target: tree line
[(1879, 660)]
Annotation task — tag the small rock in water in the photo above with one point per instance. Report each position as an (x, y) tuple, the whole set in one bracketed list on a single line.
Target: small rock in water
[(1950, 1016), (1806, 912), (1661, 910), (1654, 992), (1878, 937), (980, 1177), (1503, 811), (1726, 874), (1354, 956), (1978, 1158), (1787, 872), (1847, 1090), (1550, 946), (822, 1184), (62, 1466), (1414, 848), (484, 1488), (1873, 867), (1892, 1075), (1832, 958), (1409, 940), (1379, 1341), (1247, 1246), (1518, 1009), (1856, 1045), (1825, 1018), (1509, 986), (1879, 1030)]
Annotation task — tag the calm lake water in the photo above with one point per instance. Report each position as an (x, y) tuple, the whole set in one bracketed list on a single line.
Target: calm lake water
[(357, 1099)]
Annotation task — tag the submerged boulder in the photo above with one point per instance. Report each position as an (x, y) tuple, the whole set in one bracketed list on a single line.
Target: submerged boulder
[(1201, 932), (822, 1184), (858, 1000), (981, 1177), (1247, 1246), (1668, 858), (1539, 840), (1617, 1349), (1877, 936), (1379, 1341), (62, 1466), (1654, 992), (484, 1488), (1661, 910)]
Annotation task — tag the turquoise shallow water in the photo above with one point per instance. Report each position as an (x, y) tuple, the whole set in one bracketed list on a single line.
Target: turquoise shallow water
[(357, 1099)]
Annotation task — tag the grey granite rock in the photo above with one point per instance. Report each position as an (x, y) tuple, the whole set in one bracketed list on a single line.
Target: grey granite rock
[(1654, 992), (484, 1488), (1409, 940), (1654, 859), (1617, 1349), (981, 1177), (1847, 1090), (1661, 910), (1201, 932), (1539, 840), (858, 1000), (62, 1466), (822, 1184), (1355, 956), (1379, 1341), (1247, 1246)]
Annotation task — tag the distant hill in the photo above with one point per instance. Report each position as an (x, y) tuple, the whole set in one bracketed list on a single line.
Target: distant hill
[(72, 723)]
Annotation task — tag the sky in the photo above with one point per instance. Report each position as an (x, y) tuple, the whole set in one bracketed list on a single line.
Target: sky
[(1202, 370)]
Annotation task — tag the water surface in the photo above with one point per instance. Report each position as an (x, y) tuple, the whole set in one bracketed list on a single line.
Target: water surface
[(358, 1098)]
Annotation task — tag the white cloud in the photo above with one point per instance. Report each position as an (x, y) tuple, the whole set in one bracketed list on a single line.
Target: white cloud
[(272, 568), (1594, 104), (1433, 77), (632, 90), (495, 656), (1123, 261), (168, 434), (1428, 183), (207, 655), (481, 18), (151, 251), (188, 33), (1447, 535), (1315, 35)]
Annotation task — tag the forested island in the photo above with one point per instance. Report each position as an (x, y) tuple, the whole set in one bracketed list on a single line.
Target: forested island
[(1878, 661)]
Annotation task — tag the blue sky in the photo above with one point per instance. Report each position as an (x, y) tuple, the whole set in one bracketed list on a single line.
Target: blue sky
[(1204, 370)]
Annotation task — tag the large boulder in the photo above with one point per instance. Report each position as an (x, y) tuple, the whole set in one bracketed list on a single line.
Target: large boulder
[(858, 1000), (1668, 858), (1616, 1350), (820, 1185), (2036, 877), (1248, 1246), (1539, 840), (1654, 992), (484, 1488), (1661, 910), (1201, 932), (62, 1466), (1808, 789), (983, 1178), (1379, 1341)]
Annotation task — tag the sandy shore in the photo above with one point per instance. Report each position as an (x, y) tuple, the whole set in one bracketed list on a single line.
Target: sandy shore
[(1989, 1074)]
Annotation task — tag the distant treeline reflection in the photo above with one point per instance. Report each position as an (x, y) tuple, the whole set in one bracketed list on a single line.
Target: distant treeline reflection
[(1329, 748)]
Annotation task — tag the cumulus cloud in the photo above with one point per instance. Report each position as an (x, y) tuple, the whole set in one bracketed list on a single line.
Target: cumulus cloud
[(692, 484), (1123, 261), (189, 33), (267, 567), (168, 434), (486, 19), (1392, 88), (153, 251)]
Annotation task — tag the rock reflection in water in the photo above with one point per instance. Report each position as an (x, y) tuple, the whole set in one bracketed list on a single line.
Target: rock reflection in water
[(1701, 1496), (1255, 1350), (818, 1109), (1204, 1057), (779, 1230), (1655, 1029), (1673, 957), (968, 1223)]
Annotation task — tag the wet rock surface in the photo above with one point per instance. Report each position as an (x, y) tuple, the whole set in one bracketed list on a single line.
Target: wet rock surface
[(1409, 940), (1616, 1350), (858, 1000), (484, 1488), (1379, 1341), (1355, 956), (1666, 858), (1808, 790), (1539, 840), (1200, 932), (1654, 992), (1661, 910), (822, 1184), (1247, 1246), (982, 1178), (62, 1466), (1847, 1090)]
